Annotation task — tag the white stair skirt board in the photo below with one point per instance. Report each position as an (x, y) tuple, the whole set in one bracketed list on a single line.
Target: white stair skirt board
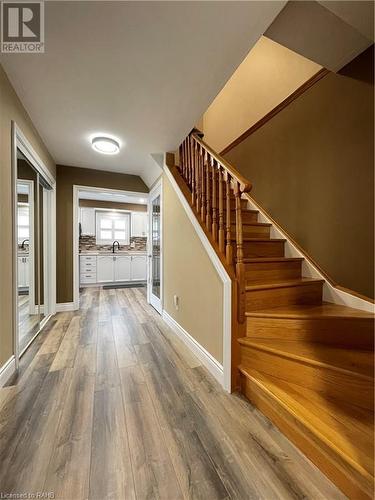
[(227, 284), (7, 370), (66, 306), (207, 360)]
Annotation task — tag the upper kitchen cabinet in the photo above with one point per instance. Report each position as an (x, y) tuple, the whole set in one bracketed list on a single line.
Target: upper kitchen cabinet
[(139, 224), (87, 220)]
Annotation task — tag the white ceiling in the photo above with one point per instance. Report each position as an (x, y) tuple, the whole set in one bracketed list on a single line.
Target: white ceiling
[(112, 196), (142, 71)]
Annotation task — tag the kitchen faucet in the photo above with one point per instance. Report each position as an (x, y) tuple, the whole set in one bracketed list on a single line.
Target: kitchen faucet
[(113, 246), (23, 244)]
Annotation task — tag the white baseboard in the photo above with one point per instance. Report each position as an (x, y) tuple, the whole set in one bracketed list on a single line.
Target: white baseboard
[(66, 306), (7, 370), (212, 365)]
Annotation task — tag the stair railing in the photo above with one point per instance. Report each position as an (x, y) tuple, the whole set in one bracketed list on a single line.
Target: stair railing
[(212, 180)]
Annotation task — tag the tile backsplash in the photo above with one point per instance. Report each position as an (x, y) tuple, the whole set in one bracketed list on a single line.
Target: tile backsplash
[(88, 243)]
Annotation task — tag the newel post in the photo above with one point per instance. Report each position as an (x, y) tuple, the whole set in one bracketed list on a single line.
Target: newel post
[(240, 266)]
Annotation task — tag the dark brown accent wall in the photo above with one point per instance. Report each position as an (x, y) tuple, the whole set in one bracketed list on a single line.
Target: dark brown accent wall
[(134, 207), (312, 169), (66, 178)]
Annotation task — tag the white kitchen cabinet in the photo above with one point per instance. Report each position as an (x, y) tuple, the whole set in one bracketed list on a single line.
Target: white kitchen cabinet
[(112, 268), (139, 224), (139, 268), (105, 269), (122, 264), (87, 220), (23, 272)]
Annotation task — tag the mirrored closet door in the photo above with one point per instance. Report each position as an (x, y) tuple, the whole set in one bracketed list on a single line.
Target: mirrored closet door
[(32, 252)]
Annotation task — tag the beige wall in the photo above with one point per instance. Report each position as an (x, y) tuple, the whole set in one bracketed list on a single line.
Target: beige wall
[(265, 78), (312, 168), (66, 178), (11, 109), (189, 273)]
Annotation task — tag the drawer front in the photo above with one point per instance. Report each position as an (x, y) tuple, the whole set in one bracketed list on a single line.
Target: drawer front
[(87, 267), (87, 278), (87, 258)]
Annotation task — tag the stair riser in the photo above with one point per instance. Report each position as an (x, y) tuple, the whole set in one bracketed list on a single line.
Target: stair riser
[(245, 215), (232, 203), (353, 333), (257, 271), (310, 293), (253, 231), (346, 387), (263, 249), (346, 477)]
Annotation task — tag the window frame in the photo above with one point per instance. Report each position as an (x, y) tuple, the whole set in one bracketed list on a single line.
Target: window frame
[(113, 216), (25, 205)]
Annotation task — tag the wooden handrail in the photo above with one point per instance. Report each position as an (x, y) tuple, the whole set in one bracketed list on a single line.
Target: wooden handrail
[(216, 189), (245, 185)]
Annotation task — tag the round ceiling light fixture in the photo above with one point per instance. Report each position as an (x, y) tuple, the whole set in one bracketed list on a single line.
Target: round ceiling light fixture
[(105, 145)]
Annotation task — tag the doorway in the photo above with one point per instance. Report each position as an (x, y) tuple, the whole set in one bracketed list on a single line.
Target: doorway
[(155, 281), (33, 244)]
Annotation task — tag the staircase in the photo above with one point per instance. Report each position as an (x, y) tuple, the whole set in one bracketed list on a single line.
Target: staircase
[(305, 363)]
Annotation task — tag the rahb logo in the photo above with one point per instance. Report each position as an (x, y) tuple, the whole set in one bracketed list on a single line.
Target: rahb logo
[(22, 27)]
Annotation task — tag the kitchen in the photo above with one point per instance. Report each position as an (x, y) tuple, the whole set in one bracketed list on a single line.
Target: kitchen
[(112, 244)]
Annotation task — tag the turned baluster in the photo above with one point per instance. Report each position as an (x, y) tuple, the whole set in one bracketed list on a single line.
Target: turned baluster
[(203, 182), (192, 153), (240, 266), (221, 211), (198, 178), (229, 253), (208, 192), (180, 160), (189, 161), (214, 201)]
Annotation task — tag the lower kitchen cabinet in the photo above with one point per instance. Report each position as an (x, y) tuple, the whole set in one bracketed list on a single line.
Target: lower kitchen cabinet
[(112, 268), (139, 268), (105, 269), (122, 267)]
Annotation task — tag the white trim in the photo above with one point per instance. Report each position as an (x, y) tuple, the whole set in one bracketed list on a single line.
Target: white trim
[(7, 370), (76, 189), (213, 366), (66, 306), (26, 148), (157, 303), (19, 141), (227, 282), (330, 292)]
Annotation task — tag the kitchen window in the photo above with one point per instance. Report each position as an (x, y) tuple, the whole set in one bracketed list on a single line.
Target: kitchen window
[(23, 222), (112, 226)]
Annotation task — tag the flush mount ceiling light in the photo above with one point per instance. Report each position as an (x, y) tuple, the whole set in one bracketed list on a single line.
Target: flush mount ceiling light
[(105, 145)]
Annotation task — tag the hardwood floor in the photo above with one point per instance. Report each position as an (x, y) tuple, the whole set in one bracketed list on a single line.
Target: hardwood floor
[(108, 403)]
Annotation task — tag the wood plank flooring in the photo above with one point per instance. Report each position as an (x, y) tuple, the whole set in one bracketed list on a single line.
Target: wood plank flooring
[(109, 404)]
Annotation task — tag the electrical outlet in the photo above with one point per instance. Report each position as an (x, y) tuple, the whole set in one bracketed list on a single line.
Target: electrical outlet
[(176, 301)]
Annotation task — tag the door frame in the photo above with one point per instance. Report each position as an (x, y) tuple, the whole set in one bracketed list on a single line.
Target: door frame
[(76, 189), (156, 303), (19, 141)]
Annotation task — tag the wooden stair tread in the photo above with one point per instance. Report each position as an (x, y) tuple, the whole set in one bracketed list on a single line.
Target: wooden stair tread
[(308, 311), (261, 224), (337, 427), (251, 260), (263, 240), (271, 284), (356, 362)]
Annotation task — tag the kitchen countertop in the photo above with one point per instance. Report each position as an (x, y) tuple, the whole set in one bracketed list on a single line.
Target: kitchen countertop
[(117, 252)]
